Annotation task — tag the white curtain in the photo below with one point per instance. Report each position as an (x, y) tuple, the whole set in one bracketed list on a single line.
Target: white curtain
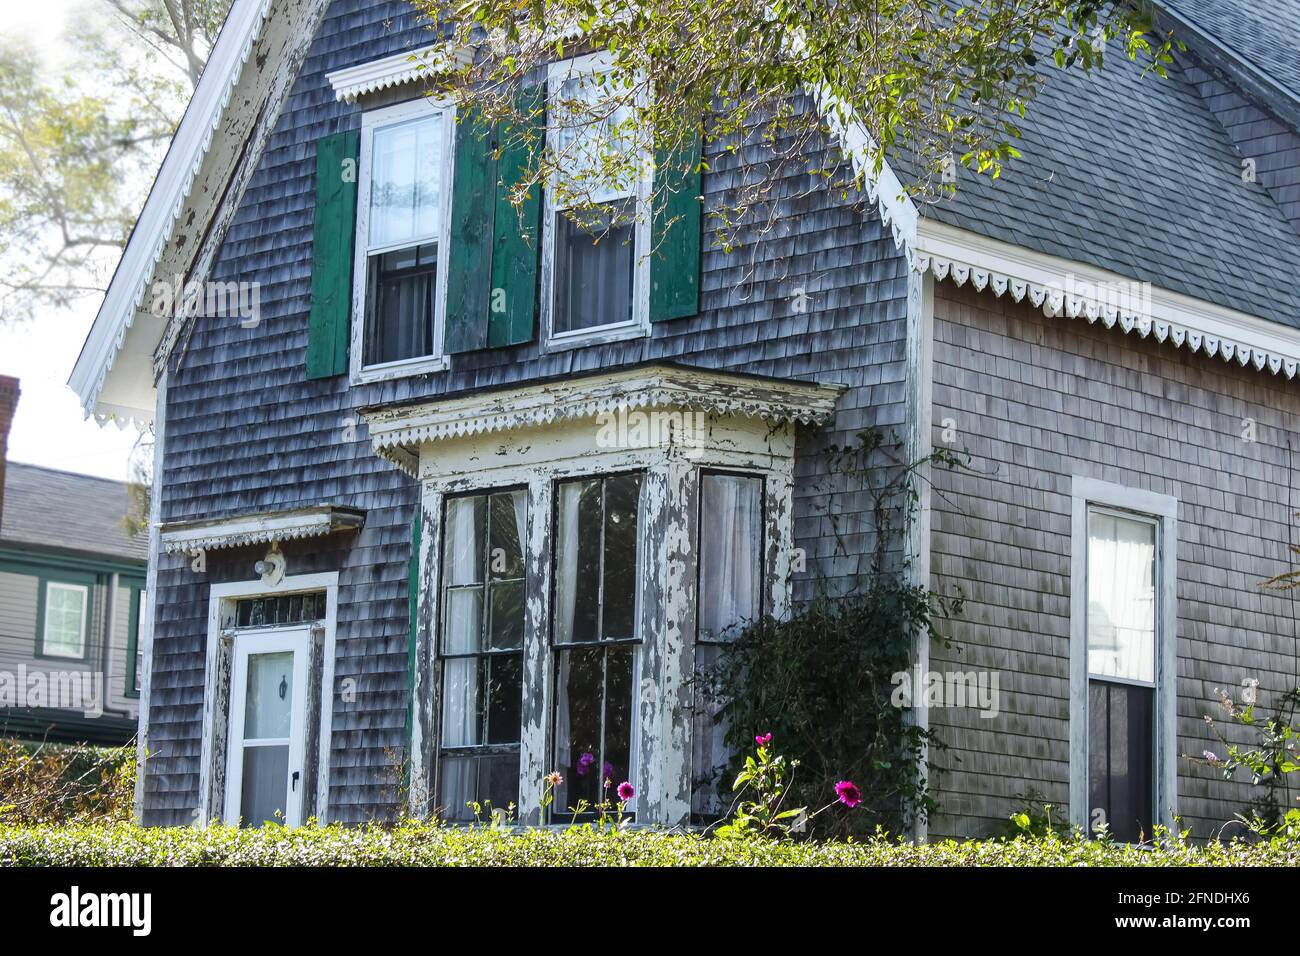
[(520, 499), (566, 561), (1121, 597), (730, 539), (463, 631)]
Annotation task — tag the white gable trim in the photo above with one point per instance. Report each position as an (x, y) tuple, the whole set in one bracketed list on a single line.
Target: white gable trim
[(161, 211), (1066, 288), (259, 528), (354, 81)]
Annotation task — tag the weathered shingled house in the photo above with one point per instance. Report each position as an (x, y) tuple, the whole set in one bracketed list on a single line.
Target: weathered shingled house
[(388, 522)]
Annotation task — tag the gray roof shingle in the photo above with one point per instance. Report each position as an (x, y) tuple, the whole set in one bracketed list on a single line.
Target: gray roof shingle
[(1133, 173), (68, 512), (1266, 35)]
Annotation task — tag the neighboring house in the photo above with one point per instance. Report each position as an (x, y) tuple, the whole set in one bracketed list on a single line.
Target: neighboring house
[(393, 522), (71, 594)]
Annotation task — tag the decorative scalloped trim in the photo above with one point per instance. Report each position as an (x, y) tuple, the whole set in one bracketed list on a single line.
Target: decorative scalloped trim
[(354, 81), (1057, 302), (258, 529), (395, 433)]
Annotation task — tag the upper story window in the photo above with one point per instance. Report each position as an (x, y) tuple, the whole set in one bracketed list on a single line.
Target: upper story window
[(596, 234), (400, 274)]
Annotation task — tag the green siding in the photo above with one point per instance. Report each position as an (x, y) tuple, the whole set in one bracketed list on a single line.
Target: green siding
[(333, 238), (517, 232), (469, 262), (675, 234)]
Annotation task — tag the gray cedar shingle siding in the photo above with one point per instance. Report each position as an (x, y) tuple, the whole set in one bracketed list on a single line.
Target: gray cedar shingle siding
[(1036, 400), (246, 432)]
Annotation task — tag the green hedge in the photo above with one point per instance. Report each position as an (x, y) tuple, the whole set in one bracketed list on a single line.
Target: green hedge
[(428, 845)]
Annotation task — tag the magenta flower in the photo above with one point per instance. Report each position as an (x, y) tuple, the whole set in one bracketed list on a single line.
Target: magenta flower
[(585, 763), (626, 791), (848, 793), (607, 773), (763, 739)]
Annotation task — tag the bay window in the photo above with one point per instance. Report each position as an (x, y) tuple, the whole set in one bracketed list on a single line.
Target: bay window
[(400, 272), (596, 231), (596, 636), (482, 651)]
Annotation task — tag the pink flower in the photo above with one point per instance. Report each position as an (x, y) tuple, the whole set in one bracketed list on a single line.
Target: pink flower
[(626, 792), (848, 793), (763, 739), (1210, 756), (554, 778)]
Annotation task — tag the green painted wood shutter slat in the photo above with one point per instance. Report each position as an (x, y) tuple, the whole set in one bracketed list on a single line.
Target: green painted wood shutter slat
[(333, 235), (675, 234), (469, 262), (512, 316)]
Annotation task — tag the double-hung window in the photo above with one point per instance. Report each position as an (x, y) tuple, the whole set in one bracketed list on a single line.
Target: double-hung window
[(482, 651), (730, 596), (596, 637), (400, 272), (596, 233), (1122, 613)]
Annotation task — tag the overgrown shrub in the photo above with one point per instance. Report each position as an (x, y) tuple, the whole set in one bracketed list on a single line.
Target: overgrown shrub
[(431, 845), (61, 783)]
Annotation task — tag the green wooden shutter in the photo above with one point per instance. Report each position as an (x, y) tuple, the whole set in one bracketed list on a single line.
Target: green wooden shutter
[(512, 315), (333, 236), (469, 258), (675, 234)]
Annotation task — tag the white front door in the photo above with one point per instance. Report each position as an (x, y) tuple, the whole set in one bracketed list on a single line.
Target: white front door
[(268, 695)]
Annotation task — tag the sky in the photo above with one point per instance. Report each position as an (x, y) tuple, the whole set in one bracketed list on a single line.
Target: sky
[(50, 428)]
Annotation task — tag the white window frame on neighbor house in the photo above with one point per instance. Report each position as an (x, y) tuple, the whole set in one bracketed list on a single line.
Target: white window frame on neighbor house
[(84, 591), (1089, 495), (371, 122), (217, 700), (639, 324)]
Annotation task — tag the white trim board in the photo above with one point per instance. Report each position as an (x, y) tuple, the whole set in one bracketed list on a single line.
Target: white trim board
[(1070, 289), (401, 68), (261, 528)]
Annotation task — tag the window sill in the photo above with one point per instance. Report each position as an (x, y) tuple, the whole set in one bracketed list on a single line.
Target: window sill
[(600, 335), (396, 370)]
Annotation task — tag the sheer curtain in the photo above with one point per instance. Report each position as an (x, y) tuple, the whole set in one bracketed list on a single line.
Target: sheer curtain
[(731, 515), (566, 590), (1121, 597), (462, 634)]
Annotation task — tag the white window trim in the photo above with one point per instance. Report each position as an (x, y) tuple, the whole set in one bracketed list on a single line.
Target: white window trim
[(45, 625), (1087, 493), (221, 600), (639, 325), (371, 121)]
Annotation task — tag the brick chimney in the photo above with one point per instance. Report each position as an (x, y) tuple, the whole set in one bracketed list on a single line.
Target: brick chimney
[(8, 404)]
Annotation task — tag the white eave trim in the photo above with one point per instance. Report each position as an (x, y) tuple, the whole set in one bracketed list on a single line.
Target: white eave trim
[(354, 81), (263, 528), (397, 432), (1077, 290), (161, 210)]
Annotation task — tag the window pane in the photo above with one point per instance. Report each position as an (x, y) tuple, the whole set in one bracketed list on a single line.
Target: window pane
[(458, 783), (483, 779), (617, 765), (588, 120), (65, 611), (1121, 758), (405, 181), (509, 512), (594, 264), (709, 753), (461, 714), (579, 688), (400, 290), (264, 785), (731, 535), (507, 629), (622, 501), (1121, 597), (268, 703), (505, 698), (464, 549), (577, 562)]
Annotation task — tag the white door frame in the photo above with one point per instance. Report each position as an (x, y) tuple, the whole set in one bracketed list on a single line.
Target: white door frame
[(295, 639)]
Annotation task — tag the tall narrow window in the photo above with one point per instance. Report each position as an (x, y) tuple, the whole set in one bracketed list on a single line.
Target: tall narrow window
[(1122, 575), (730, 595), (482, 651), (596, 636), (404, 157), (66, 610), (595, 208)]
